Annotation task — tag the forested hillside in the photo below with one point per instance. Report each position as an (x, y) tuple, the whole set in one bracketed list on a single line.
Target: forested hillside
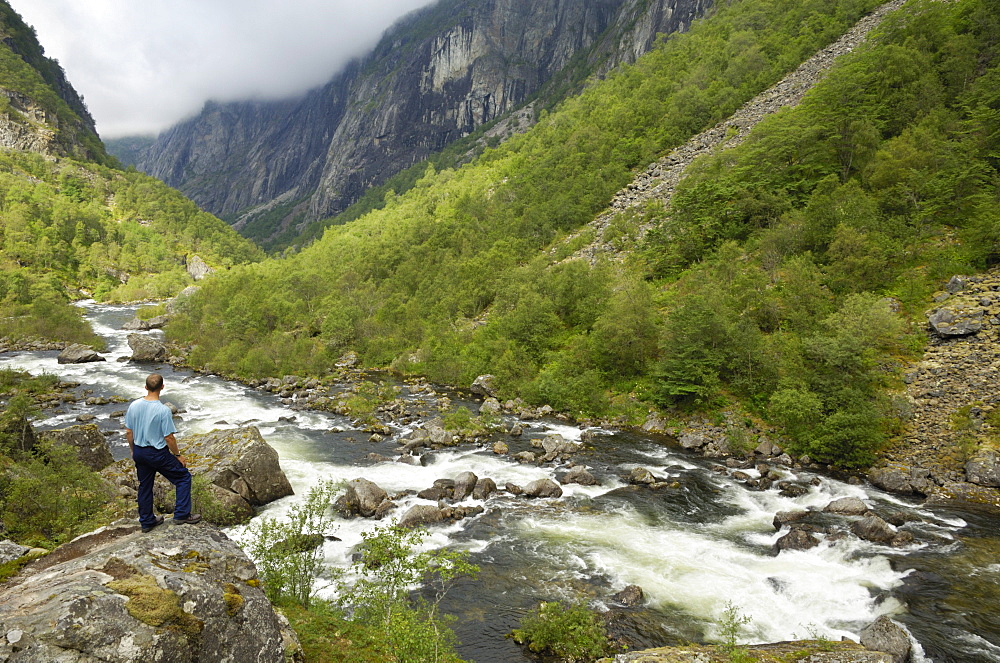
[(70, 222), (765, 282)]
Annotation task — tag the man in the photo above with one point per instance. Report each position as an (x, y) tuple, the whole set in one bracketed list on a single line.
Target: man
[(149, 428)]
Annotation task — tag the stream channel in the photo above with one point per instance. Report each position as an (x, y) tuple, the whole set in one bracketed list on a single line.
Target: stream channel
[(692, 548)]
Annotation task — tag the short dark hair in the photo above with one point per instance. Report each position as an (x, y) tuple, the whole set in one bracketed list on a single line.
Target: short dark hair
[(154, 382)]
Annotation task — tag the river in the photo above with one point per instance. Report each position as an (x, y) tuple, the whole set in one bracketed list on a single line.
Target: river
[(692, 548)]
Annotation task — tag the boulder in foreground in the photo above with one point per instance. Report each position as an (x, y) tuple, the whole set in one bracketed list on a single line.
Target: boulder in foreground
[(179, 593)]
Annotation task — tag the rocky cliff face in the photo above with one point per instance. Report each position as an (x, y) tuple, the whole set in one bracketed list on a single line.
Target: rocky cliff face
[(32, 118), (436, 76)]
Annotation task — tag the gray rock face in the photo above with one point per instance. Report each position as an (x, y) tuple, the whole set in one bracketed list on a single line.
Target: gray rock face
[(543, 488), (78, 354), (197, 269), (484, 488), (465, 483), (887, 636), (477, 62), (901, 479), (579, 475), (984, 469), (421, 514), (956, 321), (484, 386), (146, 349), (9, 551), (362, 498), (629, 597), (116, 595), (90, 445), (796, 539)]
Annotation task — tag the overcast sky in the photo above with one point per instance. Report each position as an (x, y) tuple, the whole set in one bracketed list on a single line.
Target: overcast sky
[(143, 65)]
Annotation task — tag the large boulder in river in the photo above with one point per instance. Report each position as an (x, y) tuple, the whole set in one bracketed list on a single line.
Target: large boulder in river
[(847, 506), (580, 475), (874, 529), (887, 636), (484, 385), (543, 488), (156, 322), (464, 485), (795, 539), (896, 478), (983, 469), (239, 460), (146, 349), (361, 498), (87, 440), (421, 514), (78, 354), (176, 594)]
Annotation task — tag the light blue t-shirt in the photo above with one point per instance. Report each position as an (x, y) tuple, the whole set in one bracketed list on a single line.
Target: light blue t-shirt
[(150, 422)]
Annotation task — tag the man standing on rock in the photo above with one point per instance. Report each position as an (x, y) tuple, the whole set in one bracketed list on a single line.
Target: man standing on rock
[(149, 428)]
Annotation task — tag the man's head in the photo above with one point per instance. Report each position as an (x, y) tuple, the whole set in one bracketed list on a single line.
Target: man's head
[(154, 382)]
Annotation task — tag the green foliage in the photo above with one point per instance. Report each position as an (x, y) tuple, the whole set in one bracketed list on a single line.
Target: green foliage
[(731, 628), (387, 571), (47, 496), (289, 570), (209, 506), (574, 633)]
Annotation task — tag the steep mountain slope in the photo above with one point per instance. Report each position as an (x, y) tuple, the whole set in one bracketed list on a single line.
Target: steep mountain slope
[(69, 223), (437, 76)]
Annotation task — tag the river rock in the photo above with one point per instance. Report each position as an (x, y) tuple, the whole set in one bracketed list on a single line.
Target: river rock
[(9, 551), (239, 460), (484, 488), (784, 517), (484, 385), (629, 597), (887, 636), (641, 476), (421, 514), (117, 595), (198, 269), (847, 506), (654, 424), (956, 321), (90, 445), (362, 497), (78, 354), (897, 478), (692, 440), (490, 407), (524, 457), (796, 539), (874, 529), (465, 483), (984, 469), (146, 349), (580, 475), (543, 488), (557, 445), (500, 448)]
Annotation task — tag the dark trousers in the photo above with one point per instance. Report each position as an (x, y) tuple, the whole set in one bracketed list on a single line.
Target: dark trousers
[(149, 461)]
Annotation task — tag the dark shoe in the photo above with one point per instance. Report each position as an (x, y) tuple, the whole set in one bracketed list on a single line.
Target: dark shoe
[(148, 528), (190, 520)]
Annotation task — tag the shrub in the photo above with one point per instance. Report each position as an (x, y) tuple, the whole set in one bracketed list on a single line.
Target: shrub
[(574, 633)]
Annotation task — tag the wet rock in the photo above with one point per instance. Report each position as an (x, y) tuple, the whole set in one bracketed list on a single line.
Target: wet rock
[(524, 457), (362, 497), (119, 595), (78, 354), (897, 478), (516, 430), (500, 448), (784, 517), (407, 459), (887, 636), (874, 529), (956, 321), (984, 469), (146, 349), (484, 488), (796, 539), (90, 445), (557, 445), (629, 597), (513, 488), (641, 476), (465, 483), (901, 539), (579, 475), (421, 514), (789, 489), (847, 506), (543, 488), (377, 458), (484, 385)]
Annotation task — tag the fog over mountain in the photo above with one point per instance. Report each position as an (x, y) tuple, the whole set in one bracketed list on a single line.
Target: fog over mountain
[(143, 66)]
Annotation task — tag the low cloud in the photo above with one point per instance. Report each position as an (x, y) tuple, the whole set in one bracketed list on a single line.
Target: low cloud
[(143, 65)]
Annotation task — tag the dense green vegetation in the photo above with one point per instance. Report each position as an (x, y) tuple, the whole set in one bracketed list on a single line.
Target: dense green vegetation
[(118, 235), (765, 281)]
